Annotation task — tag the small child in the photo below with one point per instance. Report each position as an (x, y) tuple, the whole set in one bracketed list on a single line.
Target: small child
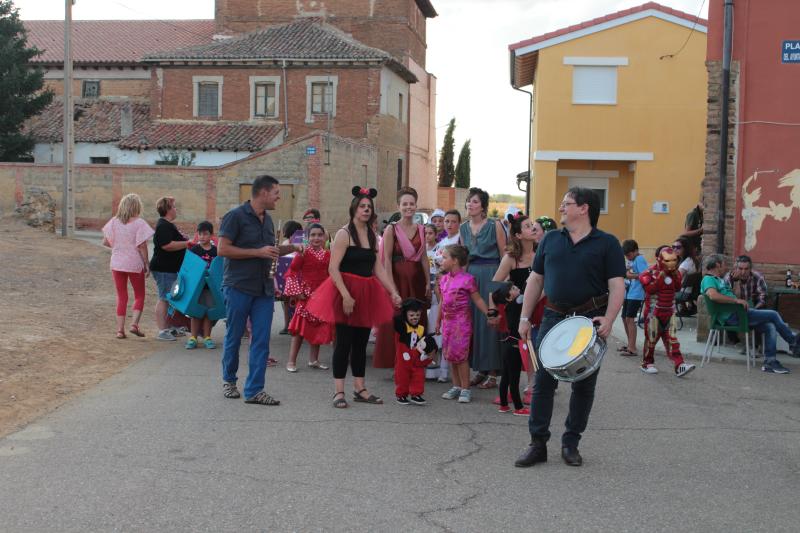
[(306, 273), (634, 294), (437, 220), (207, 251), (412, 353), (458, 290), (505, 300)]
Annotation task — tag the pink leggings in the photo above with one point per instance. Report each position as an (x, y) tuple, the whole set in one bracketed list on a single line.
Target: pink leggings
[(121, 284)]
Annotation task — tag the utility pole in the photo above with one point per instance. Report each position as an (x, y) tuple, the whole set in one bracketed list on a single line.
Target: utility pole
[(67, 198)]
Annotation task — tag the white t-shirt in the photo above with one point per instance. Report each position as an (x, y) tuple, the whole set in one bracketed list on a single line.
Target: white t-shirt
[(687, 267), (447, 241)]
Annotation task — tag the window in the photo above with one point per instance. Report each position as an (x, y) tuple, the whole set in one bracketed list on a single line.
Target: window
[(90, 89), (264, 106), (598, 185), (100, 160), (400, 107), (321, 98), (207, 96), (207, 99), (594, 85)]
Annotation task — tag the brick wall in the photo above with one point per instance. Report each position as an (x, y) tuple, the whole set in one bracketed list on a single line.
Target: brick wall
[(204, 193), (396, 26)]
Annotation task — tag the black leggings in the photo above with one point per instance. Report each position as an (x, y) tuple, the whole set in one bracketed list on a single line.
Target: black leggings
[(509, 379), (351, 344)]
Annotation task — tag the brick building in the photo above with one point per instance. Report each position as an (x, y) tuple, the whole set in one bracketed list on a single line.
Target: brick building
[(762, 190), (215, 92)]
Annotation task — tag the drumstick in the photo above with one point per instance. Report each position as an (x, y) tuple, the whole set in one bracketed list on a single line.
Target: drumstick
[(532, 354)]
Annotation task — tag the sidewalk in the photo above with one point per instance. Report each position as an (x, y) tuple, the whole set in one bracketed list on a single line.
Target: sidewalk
[(693, 349)]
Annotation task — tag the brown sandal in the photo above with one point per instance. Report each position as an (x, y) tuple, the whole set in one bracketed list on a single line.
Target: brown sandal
[(369, 399), (136, 331)]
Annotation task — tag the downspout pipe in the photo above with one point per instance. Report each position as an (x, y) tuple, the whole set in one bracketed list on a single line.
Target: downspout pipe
[(285, 102), (530, 134), (727, 44)]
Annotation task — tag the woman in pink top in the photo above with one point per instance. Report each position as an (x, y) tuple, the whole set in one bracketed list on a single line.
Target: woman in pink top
[(126, 234)]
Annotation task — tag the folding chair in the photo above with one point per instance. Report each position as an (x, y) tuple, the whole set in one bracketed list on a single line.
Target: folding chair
[(717, 328)]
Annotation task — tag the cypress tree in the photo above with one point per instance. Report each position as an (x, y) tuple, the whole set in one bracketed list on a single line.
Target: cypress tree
[(447, 171), (463, 166)]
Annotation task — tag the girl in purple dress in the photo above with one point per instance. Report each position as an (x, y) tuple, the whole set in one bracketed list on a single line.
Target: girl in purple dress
[(458, 289)]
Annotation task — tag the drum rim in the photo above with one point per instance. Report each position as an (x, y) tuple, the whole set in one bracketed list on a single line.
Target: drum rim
[(591, 342)]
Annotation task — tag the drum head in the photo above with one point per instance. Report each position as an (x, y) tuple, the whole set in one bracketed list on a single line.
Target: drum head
[(566, 340)]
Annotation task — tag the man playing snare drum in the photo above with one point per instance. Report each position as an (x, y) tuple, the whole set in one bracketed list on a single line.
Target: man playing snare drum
[(582, 270)]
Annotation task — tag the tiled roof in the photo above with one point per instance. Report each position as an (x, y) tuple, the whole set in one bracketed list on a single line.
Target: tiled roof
[(96, 121), (608, 18), (427, 8), (115, 41), (199, 136), (303, 39)]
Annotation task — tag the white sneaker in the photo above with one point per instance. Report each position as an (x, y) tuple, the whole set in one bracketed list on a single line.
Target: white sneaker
[(465, 396), (683, 369), (165, 335), (649, 369), (451, 394), (442, 380)]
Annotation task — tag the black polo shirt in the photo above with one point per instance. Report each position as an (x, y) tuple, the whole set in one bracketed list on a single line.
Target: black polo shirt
[(243, 228), (574, 273)]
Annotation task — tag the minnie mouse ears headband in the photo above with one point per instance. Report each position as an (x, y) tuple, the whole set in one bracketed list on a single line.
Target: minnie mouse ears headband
[(516, 216), (363, 191)]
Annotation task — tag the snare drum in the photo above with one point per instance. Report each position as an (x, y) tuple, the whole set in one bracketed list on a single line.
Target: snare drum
[(572, 350)]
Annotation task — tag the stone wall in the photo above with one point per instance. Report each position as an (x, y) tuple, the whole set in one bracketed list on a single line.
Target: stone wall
[(205, 193)]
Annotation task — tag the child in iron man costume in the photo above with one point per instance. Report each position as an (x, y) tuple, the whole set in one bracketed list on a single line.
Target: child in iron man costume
[(661, 282)]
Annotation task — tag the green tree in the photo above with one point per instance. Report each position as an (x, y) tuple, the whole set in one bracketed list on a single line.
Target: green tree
[(21, 94), (447, 170), (463, 166)]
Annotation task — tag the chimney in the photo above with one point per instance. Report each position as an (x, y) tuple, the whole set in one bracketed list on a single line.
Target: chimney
[(125, 120)]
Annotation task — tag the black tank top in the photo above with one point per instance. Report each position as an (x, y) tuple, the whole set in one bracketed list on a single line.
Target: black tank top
[(519, 277), (359, 261)]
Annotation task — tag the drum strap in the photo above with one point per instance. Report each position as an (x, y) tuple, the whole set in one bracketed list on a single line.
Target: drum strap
[(597, 302)]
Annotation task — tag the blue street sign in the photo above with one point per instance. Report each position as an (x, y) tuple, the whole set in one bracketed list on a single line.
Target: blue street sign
[(311, 150), (790, 52)]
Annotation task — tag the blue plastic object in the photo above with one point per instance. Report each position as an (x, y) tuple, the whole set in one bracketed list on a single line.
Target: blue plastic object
[(193, 278)]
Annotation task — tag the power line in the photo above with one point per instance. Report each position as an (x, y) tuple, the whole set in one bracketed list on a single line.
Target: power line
[(691, 31)]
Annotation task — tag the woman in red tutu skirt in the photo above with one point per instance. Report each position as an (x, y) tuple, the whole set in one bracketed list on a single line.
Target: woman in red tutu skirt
[(306, 273), (355, 297)]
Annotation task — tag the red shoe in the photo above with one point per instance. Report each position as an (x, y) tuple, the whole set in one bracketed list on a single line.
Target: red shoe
[(522, 412), (504, 409), (527, 399), (496, 400)]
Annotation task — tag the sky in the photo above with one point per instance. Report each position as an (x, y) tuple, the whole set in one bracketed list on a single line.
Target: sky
[(467, 52)]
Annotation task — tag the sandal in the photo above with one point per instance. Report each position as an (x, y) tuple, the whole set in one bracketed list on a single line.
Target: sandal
[(317, 365), (626, 352), (477, 380), (341, 403), (369, 399), (136, 331), (490, 383), (229, 390), (272, 361), (262, 398), (291, 368), (121, 335)]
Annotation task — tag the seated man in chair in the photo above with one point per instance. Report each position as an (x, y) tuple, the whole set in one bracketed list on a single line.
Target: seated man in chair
[(765, 321)]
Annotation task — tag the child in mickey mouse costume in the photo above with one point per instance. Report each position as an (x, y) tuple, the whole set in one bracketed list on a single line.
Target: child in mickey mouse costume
[(413, 351)]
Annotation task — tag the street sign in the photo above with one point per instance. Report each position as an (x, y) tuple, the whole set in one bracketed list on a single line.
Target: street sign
[(311, 150), (790, 52)]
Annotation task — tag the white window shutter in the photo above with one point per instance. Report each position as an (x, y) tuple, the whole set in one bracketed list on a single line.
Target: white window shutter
[(594, 85)]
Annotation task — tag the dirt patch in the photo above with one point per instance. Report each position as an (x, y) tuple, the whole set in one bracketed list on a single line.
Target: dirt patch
[(57, 322)]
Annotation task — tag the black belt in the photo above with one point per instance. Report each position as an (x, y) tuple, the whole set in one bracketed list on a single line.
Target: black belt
[(596, 302)]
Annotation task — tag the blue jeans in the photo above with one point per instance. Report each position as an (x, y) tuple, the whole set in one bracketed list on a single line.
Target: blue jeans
[(771, 324), (164, 283), (544, 387), (259, 309)]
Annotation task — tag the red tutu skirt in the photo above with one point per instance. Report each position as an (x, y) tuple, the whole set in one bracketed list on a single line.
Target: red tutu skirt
[(373, 306), (312, 330)]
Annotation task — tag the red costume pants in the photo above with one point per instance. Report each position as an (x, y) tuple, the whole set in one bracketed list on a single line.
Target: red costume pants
[(409, 376), (671, 344)]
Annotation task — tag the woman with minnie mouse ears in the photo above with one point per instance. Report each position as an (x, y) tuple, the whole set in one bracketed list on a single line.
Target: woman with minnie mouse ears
[(357, 296)]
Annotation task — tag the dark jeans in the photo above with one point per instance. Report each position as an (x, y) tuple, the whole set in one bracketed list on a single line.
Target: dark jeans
[(544, 386)]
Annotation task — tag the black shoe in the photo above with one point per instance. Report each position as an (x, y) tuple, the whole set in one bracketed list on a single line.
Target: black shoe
[(536, 453), (402, 400), (284, 331), (419, 400), (571, 456)]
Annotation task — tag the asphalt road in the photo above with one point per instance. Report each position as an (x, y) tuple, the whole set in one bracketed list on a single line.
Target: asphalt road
[(157, 448)]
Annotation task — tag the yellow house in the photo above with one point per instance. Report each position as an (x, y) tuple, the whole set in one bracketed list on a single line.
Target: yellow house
[(619, 106)]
